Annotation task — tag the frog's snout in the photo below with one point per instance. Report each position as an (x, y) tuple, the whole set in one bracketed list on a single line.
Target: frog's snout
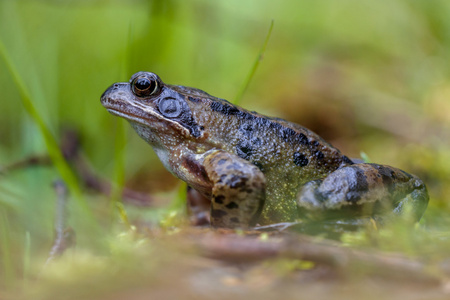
[(114, 92), (104, 95)]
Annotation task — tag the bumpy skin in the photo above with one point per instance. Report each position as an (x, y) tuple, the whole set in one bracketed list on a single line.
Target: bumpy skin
[(363, 190), (238, 191), (255, 169)]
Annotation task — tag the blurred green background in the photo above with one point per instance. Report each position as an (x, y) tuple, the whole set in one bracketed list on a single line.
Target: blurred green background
[(371, 76)]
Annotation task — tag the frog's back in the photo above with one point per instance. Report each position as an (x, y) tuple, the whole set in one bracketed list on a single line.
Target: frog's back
[(288, 154)]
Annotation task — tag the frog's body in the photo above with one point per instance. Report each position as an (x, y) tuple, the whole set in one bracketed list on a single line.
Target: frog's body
[(253, 168)]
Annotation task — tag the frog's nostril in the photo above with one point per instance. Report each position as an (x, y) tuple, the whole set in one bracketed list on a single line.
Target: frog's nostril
[(103, 97)]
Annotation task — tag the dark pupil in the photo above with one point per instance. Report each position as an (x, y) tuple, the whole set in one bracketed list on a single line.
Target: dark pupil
[(143, 84), (170, 107)]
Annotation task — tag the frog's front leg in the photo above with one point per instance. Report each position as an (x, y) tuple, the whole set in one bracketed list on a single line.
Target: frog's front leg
[(235, 186), (363, 190), (198, 207)]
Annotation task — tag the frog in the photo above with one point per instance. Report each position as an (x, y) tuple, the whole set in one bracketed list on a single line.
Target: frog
[(245, 169)]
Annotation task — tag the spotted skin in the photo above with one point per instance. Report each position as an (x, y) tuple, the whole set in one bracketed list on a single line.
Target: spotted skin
[(362, 190), (251, 168), (238, 191)]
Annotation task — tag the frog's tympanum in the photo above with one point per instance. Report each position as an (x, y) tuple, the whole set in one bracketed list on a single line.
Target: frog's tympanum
[(247, 169)]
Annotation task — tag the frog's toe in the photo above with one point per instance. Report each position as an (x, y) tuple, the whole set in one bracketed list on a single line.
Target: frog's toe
[(198, 207), (415, 203), (310, 197)]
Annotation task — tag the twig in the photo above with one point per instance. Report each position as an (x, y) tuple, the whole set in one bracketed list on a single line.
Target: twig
[(70, 148), (64, 235), (251, 249), (34, 160)]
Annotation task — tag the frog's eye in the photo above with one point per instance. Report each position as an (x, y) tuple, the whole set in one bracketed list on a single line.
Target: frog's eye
[(144, 86), (170, 107)]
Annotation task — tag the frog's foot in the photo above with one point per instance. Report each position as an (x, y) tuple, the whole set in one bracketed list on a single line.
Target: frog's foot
[(198, 207), (363, 190), (238, 190)]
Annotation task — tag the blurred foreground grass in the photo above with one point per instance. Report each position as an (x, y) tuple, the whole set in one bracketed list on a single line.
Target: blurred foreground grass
[(370, 76)]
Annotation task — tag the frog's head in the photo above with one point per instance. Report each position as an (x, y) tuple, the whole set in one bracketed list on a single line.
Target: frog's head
[(155, 110)]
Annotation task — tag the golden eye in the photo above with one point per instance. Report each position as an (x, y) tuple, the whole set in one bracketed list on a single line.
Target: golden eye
[(144, 86)]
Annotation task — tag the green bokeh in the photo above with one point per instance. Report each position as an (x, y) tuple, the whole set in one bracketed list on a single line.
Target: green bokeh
[(370, 76)]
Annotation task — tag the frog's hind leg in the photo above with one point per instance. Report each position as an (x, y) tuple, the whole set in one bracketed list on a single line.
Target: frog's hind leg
[(362, 190)]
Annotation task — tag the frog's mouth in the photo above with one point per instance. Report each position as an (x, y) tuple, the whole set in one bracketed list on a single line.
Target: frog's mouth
[(128, 116), (138, 113), (130, 112)]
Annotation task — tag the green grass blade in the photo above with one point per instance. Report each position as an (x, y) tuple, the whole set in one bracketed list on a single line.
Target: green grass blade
[(179, 202), (50, 142), (258, 59), (26, 259), (365, 157), (119, 171), (7, 274)]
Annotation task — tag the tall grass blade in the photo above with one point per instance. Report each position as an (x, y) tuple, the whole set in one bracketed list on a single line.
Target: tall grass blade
[(50, 142), (258, 59), (7, 274), (26, 260), (119, 171)]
